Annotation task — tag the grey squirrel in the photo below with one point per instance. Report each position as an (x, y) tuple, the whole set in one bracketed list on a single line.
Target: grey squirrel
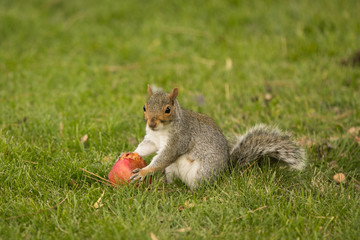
[(190, 145)]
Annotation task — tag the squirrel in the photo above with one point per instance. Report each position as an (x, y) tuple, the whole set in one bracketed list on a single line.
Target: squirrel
[(190, 145)]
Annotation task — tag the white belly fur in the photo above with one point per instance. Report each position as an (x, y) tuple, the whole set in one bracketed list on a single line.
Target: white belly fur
[(159, 138), (186, 170)]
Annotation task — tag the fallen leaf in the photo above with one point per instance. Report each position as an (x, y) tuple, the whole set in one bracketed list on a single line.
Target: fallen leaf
[(189, 205), (61, 129), (31, 162), (84, 138), (354, 131), (339, 178), (153, 237), (267, 97), (228, 64), (98, 203), (182, 230)]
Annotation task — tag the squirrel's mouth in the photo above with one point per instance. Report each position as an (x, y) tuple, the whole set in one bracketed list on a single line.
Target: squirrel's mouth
[(157, 127)]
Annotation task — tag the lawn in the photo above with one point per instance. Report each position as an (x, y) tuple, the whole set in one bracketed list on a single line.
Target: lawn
[(73, 77)]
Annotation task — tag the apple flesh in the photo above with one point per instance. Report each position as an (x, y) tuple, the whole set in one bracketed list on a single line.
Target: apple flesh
[(122, 170)]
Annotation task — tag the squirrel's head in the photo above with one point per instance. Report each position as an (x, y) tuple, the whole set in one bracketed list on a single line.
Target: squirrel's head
[(159, 110)]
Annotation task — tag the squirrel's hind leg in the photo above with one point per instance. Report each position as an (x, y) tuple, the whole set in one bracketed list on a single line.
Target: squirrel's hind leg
[(185, 168), (189, 170), (171, 172)]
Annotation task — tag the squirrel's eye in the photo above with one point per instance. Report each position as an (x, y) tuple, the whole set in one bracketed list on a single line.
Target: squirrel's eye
[(167, 110), (144, 109)]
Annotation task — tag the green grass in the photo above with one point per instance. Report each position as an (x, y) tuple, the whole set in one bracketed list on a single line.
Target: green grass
[(70, 68)]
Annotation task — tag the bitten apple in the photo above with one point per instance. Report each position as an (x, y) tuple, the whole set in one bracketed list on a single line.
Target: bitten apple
[(122, 170)]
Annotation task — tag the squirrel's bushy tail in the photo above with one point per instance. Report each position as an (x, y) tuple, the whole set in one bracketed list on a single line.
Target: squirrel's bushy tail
[(261, 141)]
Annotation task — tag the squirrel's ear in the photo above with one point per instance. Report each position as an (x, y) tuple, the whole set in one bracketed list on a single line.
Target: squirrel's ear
[(150, 92), (173, 94)]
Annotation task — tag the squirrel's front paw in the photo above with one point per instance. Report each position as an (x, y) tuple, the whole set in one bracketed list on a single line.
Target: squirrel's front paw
[(138, 174)]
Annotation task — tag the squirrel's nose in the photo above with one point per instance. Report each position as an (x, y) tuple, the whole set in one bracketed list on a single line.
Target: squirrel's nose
[(152, 123)]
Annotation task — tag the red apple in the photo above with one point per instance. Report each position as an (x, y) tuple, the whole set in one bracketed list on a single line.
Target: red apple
[(122, 170)]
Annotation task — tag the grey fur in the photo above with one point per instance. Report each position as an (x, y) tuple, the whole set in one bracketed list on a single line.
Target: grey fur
[(261, 141), (197, 138)]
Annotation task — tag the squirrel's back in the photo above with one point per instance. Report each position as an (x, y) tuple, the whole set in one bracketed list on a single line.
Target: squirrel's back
[(210, 145), (201, 119)]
